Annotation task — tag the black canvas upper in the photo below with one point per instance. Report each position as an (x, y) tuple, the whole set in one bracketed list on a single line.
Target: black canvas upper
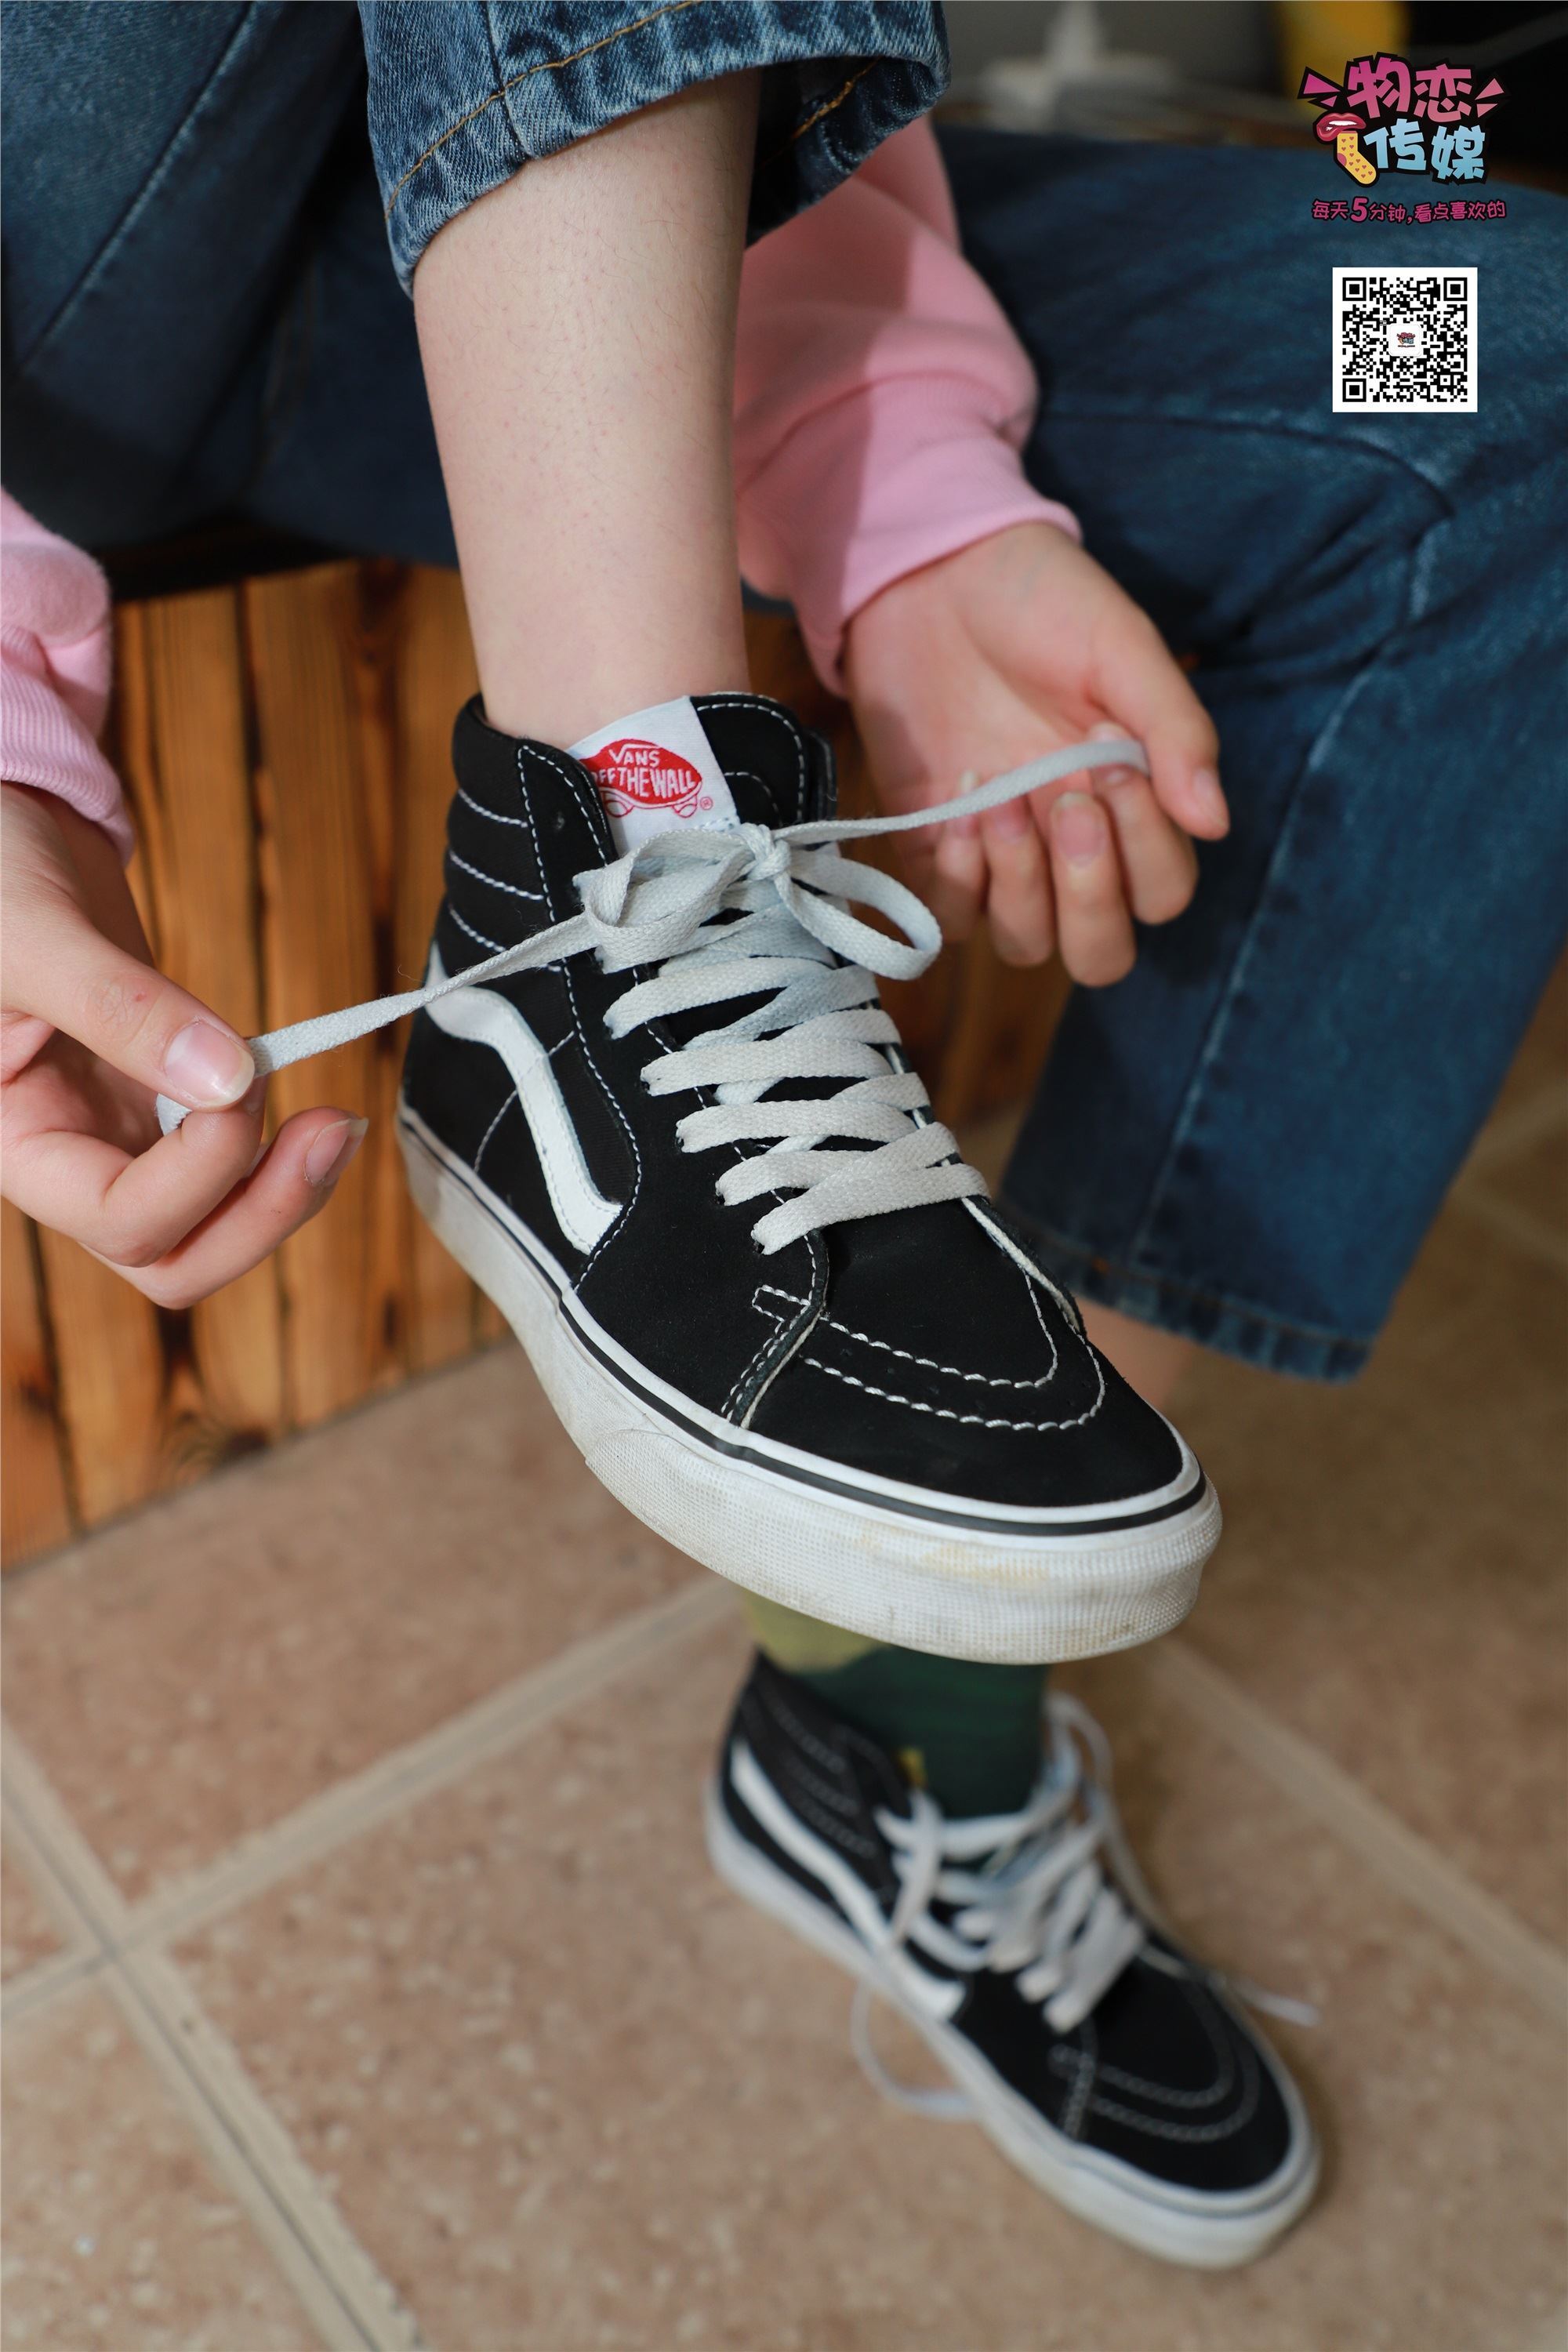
[(1164, 2074), (928, 1356)]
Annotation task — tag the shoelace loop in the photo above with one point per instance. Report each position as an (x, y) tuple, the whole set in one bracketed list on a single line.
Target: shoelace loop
[(1045, 1906), (757, 912)]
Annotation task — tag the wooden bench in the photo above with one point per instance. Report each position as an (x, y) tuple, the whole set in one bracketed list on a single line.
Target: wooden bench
[(284, 742)]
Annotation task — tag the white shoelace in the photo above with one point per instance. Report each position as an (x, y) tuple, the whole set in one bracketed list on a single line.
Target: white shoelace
[(1045, 1905), (739, 913)]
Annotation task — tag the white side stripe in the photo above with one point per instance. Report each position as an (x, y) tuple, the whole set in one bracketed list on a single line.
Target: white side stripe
[(482, 1018), (938, 1996)]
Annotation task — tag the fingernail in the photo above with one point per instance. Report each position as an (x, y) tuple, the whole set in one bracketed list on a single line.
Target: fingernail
[(206, 1067), (1011, 821), (1209, 797), (1106, 731), (1079, 828), (333, 1149)]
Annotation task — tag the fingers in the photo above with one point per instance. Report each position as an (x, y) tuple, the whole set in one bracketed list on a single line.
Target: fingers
[(1159, 864), (197, 1208), (1018, 896), (298, 1176), (954, 882), (64, 970), (1141, 683), (1093, 926)]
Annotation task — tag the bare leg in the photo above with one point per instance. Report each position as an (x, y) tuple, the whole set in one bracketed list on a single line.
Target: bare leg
[(578, 330), (1149, 1359)]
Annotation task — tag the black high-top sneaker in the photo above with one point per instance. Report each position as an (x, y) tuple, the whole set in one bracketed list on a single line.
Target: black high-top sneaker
[(689, 1160), (1112, 2069)]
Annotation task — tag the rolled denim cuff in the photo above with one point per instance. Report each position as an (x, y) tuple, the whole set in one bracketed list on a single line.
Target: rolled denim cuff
[(462, 95), (1217, 1319)]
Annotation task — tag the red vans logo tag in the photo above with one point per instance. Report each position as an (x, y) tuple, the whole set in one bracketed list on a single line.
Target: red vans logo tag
[(633, 774)]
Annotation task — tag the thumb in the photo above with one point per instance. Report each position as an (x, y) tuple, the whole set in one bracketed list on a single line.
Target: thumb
[(124, 1010)]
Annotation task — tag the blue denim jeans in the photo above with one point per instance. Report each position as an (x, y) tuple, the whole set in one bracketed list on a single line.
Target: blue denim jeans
[(1244, 1140), (461, 98)]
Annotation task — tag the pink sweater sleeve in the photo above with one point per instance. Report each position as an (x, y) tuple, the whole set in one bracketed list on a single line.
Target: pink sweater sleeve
[(55, 652), (881, 397)]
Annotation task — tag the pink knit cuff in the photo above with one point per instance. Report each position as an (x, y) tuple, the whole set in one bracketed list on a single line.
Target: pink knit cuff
[(55, 654), (907, 474)]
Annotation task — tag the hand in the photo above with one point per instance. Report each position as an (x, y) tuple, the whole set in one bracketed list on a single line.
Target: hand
[(992, 657), (89, 1035)]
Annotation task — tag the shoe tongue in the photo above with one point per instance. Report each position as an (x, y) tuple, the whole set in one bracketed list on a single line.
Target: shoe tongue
[(720, 760), (658, 770)]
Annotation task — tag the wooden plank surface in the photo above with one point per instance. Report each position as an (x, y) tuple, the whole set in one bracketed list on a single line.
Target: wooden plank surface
[(185, 758), (434, 676), (35, 1501), (373, 649), (318, 939)]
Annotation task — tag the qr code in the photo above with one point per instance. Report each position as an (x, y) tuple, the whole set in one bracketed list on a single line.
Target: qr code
[(1405, 339)]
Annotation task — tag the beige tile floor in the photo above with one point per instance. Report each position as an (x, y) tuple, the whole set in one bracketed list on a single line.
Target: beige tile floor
[(366, 1984)]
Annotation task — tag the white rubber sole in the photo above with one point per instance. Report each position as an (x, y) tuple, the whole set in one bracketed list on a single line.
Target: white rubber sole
[(896, 1563), (1201, 2232)]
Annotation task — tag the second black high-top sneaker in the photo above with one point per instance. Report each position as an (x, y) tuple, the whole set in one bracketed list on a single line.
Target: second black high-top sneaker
[(1122, 2076), (687, 1157)]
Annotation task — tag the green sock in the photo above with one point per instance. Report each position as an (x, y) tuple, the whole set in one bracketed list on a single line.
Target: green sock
[(969, 1733)]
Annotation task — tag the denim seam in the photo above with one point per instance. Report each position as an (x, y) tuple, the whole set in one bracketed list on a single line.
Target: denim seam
[(1091, 1259), (545, 65), (1215, 1038), (144, 196), (497, 75), (813, 119)]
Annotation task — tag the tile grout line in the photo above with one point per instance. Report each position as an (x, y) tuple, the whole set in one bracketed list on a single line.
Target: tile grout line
[(1401, 1858), (353, 2307), (47, 1980), (79, 1952), (489, 1727), (1398, 1854)]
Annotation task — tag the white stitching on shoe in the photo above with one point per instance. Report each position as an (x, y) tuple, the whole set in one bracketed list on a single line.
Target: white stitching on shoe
[(1223, 2052), (749, 1367), (493, 879), (804, 1736), (1087, 2060), (1251, 2077), (1033, 1289), (1190, 2132), (838, 1800), (838, 1834), (494, 815), (927, 1363), (776, 1341), (771, 711), (938, 1411), (492, 1127), (570, 781), (945, 1413), (493, 944)]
